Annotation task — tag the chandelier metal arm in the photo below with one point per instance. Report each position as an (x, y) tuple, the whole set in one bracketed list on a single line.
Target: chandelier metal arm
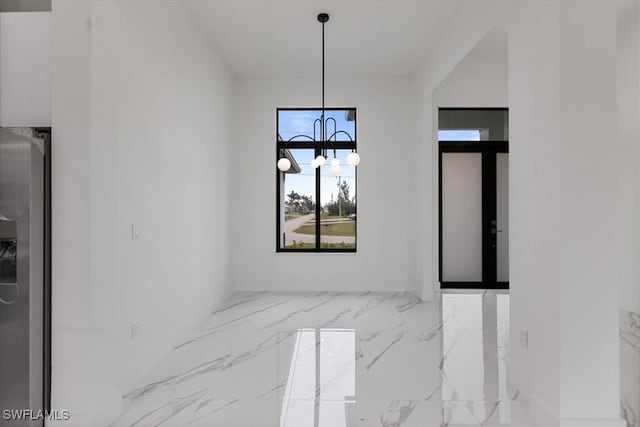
[(300, 136), (334, 135), (326, 127), (319, 128)]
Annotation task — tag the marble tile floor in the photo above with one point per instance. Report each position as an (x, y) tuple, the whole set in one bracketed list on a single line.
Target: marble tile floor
[(630, 367), (337, 360)]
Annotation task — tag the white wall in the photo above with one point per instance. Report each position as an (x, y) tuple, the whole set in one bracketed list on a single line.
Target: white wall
[(424, 183), (529, 203), (25, 69), (629, 156), (627, 224), (565, 263), (141, 112), (385, 260), (479, 80)]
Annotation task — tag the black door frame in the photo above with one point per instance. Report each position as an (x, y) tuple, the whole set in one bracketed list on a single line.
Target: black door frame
[(488, 149)]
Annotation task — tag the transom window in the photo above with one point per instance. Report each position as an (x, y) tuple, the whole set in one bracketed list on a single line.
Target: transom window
[(473, 124), (316, 205)]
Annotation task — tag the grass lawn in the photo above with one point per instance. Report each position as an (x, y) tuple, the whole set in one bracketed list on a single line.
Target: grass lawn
[(290, 216), (341, 245), (347, 229)]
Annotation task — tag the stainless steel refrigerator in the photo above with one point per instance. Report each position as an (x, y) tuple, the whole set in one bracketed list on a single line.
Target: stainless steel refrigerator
[(24, 275)]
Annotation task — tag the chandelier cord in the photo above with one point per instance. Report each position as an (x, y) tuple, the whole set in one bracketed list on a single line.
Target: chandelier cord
[(323, 123)]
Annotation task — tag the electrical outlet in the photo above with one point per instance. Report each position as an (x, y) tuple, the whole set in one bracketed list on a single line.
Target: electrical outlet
[(135, 231), (135, 330), (524, 338)]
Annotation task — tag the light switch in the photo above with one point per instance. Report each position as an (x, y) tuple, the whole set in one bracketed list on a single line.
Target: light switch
[(135, 330), (524, 338), (135, 231)]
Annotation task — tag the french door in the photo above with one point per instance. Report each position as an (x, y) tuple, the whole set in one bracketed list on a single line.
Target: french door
[(473, 214)]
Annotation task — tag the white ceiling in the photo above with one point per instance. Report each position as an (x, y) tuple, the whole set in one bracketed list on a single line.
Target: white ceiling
[(363, 38)]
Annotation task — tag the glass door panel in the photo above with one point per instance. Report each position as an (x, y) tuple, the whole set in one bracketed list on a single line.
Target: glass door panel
[(462, 217)]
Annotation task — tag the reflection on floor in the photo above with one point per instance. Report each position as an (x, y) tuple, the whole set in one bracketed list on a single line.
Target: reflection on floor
[(337, 360)]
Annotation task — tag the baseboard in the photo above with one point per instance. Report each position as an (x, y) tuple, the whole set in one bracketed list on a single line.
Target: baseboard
[(542, 415), (592, 422), (301, 287)]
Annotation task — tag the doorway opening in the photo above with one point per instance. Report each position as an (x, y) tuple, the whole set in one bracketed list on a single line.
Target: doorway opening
[(473, 198)]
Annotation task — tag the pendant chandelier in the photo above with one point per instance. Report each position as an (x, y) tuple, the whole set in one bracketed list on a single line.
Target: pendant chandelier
[(324, 139)]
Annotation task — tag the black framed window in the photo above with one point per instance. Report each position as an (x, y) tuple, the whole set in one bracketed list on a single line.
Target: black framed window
[(316, 205)]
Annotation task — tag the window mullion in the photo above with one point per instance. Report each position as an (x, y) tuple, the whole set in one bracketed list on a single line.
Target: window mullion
[(318, 207)]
